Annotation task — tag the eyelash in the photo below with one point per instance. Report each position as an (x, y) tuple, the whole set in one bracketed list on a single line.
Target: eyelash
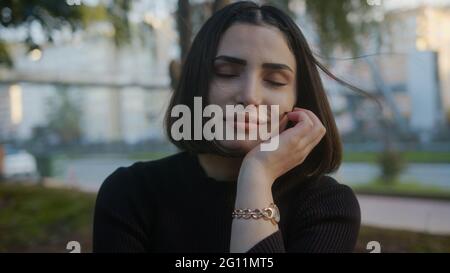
[(277, 83), (230, 76)]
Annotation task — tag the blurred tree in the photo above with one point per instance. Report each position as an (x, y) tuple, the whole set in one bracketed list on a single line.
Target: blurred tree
[(184, 26), (117, 14), (392, 164), (2, 158), (5, 59), (174, 73), (390, 160), (218, 4), (338, 22), (447, 116), (64, 117), (54, 14)]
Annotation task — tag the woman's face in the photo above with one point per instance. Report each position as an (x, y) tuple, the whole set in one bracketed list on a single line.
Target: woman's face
[(253, 66)]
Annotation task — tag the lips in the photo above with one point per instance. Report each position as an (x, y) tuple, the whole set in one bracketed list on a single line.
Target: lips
[(248, 119)]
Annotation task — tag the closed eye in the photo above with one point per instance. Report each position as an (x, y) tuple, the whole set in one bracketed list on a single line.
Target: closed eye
[(224, 75), (276, 83)]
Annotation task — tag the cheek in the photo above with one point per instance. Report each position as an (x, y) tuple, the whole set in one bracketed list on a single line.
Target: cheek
[(221, 92), (291, 100), (285, 99)]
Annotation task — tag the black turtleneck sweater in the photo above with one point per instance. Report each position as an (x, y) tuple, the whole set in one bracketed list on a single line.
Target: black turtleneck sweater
[(171, 205)]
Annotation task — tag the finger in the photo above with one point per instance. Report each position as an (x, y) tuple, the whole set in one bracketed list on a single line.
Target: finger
[(283, 122), (299, 117), (300, 129), (301, 140), (315, 120), (312, 137), (313, 117), (319, 128), (301, 135)]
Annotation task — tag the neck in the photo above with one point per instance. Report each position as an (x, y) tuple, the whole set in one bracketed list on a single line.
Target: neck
[(219, 167)]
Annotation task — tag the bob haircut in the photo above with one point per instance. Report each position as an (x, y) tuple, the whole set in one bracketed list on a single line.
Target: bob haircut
[(197, 71)]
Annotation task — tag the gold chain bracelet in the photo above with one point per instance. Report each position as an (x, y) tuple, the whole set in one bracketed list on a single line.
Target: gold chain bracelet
[(270, 213)]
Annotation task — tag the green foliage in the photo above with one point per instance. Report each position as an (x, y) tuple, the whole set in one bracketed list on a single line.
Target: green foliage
[(44, 164), (281, 4), (53, 14), (332, 21), (392, 164), (48, 12), (333, 24), (64, 117), (117, 14), (5, 59)]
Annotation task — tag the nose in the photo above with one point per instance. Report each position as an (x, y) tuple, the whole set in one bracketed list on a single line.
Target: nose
[(250, 91)]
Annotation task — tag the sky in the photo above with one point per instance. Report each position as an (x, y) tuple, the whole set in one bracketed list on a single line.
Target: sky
[(390, 4)]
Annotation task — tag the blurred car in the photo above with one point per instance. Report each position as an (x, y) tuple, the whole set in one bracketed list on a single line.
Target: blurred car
[(19, 165)]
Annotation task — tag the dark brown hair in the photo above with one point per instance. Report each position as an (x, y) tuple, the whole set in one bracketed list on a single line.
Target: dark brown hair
[(198, 70)]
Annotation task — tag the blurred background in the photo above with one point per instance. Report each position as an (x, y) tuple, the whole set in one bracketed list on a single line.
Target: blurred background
[(84, 85)]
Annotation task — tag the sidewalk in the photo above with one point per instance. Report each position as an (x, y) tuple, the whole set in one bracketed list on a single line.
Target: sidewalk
[(422, 215)]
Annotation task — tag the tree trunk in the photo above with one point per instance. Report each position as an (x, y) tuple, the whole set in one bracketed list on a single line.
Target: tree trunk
[(2, 156), (218, 4), (184, 26)]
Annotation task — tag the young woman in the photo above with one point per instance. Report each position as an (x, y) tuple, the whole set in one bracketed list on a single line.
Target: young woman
[(230, 195)]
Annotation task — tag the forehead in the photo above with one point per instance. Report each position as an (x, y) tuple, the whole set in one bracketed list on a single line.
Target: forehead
[(255, 43)]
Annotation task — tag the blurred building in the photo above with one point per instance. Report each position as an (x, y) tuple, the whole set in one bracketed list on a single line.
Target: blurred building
[(410, 71), (121, 91)]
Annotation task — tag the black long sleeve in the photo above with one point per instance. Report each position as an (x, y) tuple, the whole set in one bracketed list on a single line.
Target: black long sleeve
[(170, 205)]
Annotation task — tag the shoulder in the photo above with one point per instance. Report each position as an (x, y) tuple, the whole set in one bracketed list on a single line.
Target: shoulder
[(326, 196), (329, 185)]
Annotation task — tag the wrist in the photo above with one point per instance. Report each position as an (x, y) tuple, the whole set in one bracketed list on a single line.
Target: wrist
[(256, 168), (270, 213), (254, 188)]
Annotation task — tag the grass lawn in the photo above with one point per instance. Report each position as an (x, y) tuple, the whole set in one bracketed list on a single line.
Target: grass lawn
[(402, 241), (34, 218), (403, 189), (410, 156), (38, 219)]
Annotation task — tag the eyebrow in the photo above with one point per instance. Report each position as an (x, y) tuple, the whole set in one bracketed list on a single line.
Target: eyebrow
[(273, 66)]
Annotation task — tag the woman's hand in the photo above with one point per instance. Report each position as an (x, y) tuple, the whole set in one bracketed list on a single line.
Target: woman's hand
[(260, 169), (294, 145)]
